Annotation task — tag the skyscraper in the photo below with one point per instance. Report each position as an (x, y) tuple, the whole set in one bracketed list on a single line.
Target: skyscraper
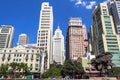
[(90, 37), (75, 41), (58, 47), (6, 36), (104, 37), (114, 9), (23, 39), (45, 31)]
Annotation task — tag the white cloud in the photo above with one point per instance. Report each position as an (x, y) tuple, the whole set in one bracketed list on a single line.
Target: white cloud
[(86, 4), (91, 4), (106, 1), (80, 2)]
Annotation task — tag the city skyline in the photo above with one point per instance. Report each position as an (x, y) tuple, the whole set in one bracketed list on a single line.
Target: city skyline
[(24, 15)]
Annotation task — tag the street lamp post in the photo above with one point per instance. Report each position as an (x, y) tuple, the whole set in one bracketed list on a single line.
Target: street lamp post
[(42, 61), (89, 64)]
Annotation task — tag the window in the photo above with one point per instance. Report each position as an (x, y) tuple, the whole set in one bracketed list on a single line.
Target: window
[(31, 65), (4, 50), (36, 69), (37, 56), (27, 56), (37, 51), (8, 59), (37, 60), (4, 55), (36, 65), (31, 68), (2, 59), (9, 50), (20, 55), (26, 60), (32, 50), (27, 50), (17, 55), (16, 50), (19, 59)]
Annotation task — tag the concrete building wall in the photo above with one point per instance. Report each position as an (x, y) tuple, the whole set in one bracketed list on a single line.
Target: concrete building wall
[(75, 42), (45, 31), (58, 47), (29, 55), (6, 36), (23, 39)]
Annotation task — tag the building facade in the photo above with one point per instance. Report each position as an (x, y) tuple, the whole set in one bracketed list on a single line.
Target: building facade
[(6, 36), (114, 9), (58, 47), (29, 55), (23, 39), (90, 39), (45, 31), (75, 40), (104, 37)]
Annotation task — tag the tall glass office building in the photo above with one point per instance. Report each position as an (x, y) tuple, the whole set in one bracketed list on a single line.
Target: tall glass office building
[(104, 37), (114, 9)]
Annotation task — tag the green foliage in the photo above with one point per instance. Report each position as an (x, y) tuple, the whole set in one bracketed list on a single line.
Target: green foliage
[(14, 69), (54, 71), (116, 70), (72, 68), (17, 75), (25, 69), (4, 70), (10, 72)]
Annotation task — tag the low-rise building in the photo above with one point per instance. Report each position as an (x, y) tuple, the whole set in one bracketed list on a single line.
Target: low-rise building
[(26, 54), (89, 69)]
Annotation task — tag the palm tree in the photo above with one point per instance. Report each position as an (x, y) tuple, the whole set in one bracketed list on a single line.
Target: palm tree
[(25, 69), (14, 67), (4, 70)]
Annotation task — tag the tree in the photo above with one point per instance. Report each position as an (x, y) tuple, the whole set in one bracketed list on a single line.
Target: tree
[(14, 69), (4, 70), (25, 69), (102, 61), (116, 71), (54, 71), (72, 68)]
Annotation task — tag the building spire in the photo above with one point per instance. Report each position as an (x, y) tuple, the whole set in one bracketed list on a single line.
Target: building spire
[(58, 27)]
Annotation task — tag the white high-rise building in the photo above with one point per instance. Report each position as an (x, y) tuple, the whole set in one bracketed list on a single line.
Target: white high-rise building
[(6, 36), (45, 31), (23, 39), (58, 47)]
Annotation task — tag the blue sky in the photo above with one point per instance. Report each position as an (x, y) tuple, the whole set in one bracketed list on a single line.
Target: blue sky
[(24, 14)]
